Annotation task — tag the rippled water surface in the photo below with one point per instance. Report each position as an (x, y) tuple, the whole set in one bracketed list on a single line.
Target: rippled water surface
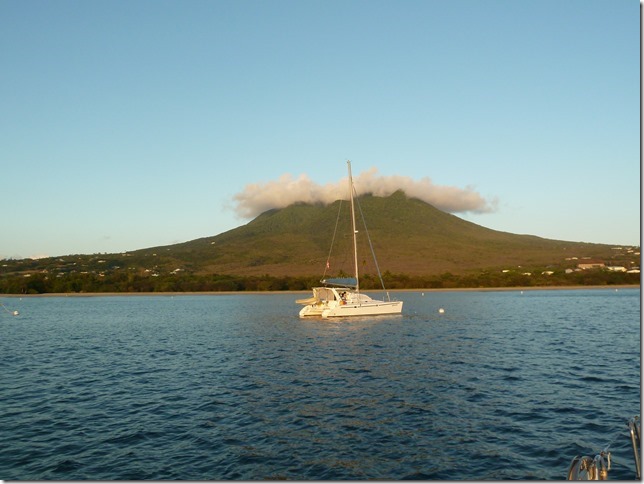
[(501, 385)]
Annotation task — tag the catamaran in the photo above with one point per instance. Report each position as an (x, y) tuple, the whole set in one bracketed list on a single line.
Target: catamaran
[(342, 297)]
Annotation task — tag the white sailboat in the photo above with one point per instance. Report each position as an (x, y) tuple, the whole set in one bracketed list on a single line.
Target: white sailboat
[(342, 297)]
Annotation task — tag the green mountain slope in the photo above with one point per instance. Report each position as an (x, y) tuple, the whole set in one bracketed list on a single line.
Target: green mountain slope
[(415, 243), (409, 236)]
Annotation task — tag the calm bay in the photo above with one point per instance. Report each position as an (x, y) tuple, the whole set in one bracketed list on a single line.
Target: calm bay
[(501, 385)]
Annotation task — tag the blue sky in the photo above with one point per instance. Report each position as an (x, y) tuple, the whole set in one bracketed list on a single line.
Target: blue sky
[(133, 124)]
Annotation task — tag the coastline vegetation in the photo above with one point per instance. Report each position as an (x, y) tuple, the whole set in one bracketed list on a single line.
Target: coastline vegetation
[(285, 250), (123, 282)]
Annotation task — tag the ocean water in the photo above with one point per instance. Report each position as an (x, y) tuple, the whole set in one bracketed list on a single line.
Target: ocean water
[(502, 385)]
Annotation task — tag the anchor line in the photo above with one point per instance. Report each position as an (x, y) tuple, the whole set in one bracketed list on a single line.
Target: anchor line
[(598, 466), (13, 313)]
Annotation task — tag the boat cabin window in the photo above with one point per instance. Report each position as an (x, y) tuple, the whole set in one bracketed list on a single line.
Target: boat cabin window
[(325, 293)]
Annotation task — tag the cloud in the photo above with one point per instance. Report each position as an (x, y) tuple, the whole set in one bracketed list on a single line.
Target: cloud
[(256, 198)]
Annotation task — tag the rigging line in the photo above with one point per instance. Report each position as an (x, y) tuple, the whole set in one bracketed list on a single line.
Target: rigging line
[(613, 439), (335, 230), (617, 434), (13, 313), (373, 253)]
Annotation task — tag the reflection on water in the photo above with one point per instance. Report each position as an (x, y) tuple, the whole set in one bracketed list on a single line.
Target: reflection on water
[(501, 385)]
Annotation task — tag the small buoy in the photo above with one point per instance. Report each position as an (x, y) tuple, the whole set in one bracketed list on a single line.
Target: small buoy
[(422, 293), (15, 313), (441, 310)]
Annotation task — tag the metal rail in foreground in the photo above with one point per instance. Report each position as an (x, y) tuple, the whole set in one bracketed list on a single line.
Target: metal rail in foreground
[(634, 427), (585, 468)]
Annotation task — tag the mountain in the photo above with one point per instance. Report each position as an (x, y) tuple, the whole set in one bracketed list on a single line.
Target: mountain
[(409, 236)]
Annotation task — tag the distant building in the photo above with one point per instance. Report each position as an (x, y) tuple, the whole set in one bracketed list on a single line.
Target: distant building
[(616, 268), (591, 265)]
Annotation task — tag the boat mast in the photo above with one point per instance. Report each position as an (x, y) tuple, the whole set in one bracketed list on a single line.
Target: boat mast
[(353, 226)]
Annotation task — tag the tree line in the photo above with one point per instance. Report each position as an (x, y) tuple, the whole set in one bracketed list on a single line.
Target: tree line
[(123, 282)]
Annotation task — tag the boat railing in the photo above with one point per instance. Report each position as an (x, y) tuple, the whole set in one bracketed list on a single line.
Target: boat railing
[(634, 428), (585, 468)]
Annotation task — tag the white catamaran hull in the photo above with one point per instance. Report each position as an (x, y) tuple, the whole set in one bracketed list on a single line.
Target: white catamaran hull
[(338, 303), (378, 308)]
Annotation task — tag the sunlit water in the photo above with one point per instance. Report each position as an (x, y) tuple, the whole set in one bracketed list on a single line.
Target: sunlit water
[(501, 385)]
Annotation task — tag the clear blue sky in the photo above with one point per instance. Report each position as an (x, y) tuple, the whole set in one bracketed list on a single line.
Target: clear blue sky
[(132, 124)]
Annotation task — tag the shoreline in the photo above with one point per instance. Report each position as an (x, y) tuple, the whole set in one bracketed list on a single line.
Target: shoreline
[(306, 291)]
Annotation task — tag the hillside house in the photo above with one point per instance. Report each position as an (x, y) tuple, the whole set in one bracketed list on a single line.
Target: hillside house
[(591, 265)]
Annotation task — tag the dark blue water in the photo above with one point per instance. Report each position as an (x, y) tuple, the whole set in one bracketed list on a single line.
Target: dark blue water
[(503, 385)]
